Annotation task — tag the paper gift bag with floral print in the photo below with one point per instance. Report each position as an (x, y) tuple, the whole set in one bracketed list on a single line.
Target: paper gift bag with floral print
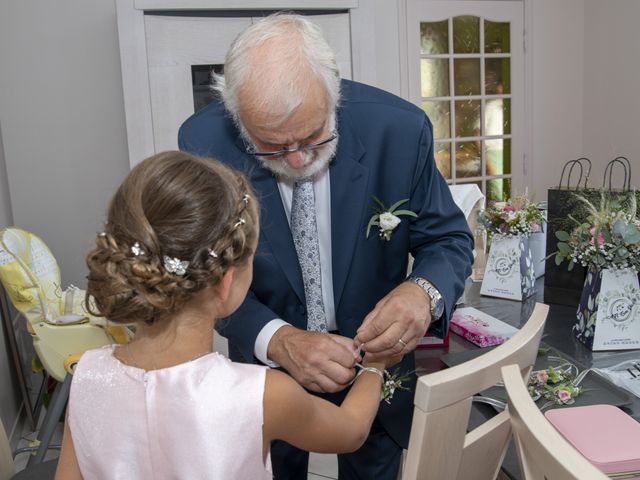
[(608, 316)]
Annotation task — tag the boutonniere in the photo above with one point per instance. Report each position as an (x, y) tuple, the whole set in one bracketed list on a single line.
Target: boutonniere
[(387, 219)]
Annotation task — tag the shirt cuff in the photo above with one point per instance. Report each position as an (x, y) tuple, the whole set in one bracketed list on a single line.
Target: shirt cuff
[(263, 339)]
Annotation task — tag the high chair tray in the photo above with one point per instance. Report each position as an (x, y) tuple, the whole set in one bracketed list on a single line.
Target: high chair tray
[(598, 389)]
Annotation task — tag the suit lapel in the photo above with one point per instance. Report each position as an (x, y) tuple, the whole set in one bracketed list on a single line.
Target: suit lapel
[(275, 227), (349, 181)]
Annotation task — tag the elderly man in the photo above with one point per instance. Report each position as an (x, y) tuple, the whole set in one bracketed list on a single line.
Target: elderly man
[(330, 275)]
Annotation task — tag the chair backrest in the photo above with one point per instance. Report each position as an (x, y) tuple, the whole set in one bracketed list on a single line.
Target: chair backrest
[(542, 451), (439, 446), (30, 275)]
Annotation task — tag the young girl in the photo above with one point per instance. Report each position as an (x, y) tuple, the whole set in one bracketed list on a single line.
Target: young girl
[(175, 256)]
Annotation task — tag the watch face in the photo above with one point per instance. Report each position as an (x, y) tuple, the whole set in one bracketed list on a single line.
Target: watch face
[(438, 309)]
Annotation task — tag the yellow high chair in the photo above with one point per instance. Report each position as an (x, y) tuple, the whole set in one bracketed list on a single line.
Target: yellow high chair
[(61, 328)]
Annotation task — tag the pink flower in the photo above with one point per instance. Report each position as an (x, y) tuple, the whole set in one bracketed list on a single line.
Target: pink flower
[(599, 239), (534, 227), (541, 377), (508, 208), (564, 395)]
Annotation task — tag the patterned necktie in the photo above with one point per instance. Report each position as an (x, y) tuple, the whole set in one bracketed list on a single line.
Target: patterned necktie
[(305, 239)]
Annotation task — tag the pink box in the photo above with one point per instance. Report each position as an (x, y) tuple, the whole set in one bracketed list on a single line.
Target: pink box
[(603, 434), (480, 328), (431, 341)]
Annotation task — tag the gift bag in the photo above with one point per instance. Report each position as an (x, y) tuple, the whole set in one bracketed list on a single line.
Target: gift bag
[(608, 316), (509, 272), (562, 286)]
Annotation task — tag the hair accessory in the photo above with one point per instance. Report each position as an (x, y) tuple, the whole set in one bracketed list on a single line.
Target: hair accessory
[(213, 253), (245, 198), (137, 250), (175, 265), (102, 234), (241, 221)]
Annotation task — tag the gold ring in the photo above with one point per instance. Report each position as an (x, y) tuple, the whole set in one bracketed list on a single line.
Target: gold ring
[(402, 342)]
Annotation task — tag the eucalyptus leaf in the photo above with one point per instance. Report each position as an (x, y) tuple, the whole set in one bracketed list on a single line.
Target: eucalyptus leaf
[(562, 236), (397, 213), (397, 204), (619, 227), (375, 220)]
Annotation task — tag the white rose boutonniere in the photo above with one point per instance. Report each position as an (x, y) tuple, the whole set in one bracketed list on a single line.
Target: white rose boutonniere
[(387, 219)]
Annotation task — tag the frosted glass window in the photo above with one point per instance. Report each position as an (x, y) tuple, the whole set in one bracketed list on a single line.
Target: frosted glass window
[(466, 76), (466, 91), (468, 159), (496, 37), (497, 76), (466, 34), (434, 77), (442, 154), (439, 111), (434, 37), (468, 118)]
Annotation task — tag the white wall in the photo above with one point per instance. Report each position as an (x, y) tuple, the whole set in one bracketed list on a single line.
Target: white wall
[(63, 132), (556, 46), (611, 82), (62, 118), (10, 400)]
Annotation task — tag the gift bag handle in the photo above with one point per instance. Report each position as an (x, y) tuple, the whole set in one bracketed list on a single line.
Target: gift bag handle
[(573, 163), (586, 178), (626, 166)]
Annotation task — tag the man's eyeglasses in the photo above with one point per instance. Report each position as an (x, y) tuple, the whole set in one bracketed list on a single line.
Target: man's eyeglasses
[(251, 150)]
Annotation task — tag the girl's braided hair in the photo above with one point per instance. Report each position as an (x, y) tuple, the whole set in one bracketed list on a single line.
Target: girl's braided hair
[(179, 206)]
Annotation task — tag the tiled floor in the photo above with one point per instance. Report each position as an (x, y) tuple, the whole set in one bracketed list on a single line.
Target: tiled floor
[(322, 466)]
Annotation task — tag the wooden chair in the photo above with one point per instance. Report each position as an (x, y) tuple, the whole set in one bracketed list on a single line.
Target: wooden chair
[(542, 451), (440, 447)]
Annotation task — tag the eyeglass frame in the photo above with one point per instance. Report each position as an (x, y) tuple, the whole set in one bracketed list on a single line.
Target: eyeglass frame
[(251, 149)]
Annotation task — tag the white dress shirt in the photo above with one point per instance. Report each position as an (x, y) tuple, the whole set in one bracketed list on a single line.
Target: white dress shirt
[(322, 190)]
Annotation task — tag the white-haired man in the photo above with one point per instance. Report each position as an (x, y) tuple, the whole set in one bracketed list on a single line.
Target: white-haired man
[(319, 150)]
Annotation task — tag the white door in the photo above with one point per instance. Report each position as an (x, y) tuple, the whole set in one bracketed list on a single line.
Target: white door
[(466, 70), (181, 51)]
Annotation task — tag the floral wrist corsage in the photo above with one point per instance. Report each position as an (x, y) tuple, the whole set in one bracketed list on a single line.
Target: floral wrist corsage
[(390, 381)]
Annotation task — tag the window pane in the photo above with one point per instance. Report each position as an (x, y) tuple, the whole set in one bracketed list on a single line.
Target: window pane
[(466, 34), (498, 189), (498, 156), (434, 37), (467, 118), (466, 75), (497, 76), (468, 159), (201, 80), (496, 37), (440, 115), (442, 154), (434, 77), (497, 117)]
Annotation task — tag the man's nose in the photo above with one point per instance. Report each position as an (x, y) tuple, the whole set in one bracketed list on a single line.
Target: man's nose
[(296, 159)]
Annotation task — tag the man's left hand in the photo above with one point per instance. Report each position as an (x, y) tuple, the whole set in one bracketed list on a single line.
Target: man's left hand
[(397, 323)]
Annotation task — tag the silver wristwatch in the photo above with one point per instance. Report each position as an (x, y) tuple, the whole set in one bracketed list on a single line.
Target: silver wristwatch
[(437, 302)]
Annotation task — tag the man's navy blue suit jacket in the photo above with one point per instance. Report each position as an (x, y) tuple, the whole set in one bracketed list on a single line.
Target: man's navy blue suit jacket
[(385, 149)]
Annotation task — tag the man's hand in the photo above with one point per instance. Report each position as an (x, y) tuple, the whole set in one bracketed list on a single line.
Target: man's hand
[(318, 361), (396, 324)]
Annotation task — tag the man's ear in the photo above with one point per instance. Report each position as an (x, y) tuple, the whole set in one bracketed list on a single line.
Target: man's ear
[(224, 285)]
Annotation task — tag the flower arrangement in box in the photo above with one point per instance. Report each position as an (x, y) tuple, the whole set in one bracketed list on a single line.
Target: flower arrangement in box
[(518, 216), (610, 238), (608, 244)]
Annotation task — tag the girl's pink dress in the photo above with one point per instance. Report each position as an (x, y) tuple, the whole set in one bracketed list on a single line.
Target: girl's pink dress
[(198, 420)]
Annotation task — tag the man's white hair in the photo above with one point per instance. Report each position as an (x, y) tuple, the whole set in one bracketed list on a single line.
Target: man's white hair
[(279, 81)]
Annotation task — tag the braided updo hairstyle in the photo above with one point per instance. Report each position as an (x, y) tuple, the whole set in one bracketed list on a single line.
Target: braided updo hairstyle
[(176, 205)]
